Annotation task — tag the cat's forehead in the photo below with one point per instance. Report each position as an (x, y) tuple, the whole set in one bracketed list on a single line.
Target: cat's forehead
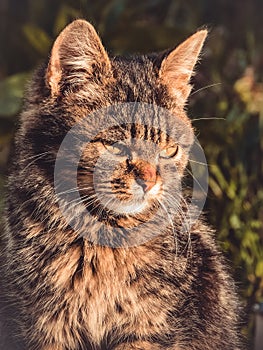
[(136, 79), (133, 66), (140, 135)]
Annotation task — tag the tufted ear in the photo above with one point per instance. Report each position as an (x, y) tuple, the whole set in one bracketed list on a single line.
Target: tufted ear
[(177, 68), (77, 56)]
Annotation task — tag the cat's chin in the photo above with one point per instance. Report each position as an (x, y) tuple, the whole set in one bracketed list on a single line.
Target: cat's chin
[(132, 208), (136, 206), (140, 203)]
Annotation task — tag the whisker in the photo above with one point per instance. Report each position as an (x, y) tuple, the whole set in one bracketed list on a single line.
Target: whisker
[(75, 189), (195, 161), (37, 157), (204, 88), (208, 118), (172, 225), (183, 216), (201, 187)]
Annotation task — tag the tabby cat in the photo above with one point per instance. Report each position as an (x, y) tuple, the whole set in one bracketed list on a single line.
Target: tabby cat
[(119, 266)]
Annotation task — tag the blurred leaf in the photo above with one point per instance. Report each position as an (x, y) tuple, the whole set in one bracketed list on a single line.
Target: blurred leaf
[(219, 176), (38, 38), (259, 269), (215, 187), (250, 91), (235, 221), (11, 93)]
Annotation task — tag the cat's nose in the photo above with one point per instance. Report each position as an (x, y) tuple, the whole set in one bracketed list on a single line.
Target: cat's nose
[(146, 185), (147, 177)]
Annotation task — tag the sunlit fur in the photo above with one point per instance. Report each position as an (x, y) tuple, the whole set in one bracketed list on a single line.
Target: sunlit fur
[(122, 186), (173, 290)]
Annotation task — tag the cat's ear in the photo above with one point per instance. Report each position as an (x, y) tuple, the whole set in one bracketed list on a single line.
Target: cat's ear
[(77, 55), (177, 68)]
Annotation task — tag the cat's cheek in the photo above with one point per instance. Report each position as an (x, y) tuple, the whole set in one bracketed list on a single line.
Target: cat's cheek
[(181, 165), (174, 167), (156, 190)]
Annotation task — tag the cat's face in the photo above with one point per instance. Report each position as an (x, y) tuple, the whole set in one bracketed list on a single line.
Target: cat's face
[(134, 170), (137, 166)]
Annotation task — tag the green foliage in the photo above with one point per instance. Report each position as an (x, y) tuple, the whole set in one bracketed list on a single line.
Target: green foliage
[(37, 38), (235, 181), (11, 93)]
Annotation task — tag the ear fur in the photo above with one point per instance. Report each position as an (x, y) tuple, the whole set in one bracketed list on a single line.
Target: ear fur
[(177, 68), (76, 54)]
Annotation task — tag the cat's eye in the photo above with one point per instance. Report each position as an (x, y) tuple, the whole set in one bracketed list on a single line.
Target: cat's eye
[(117, 149), (169, 152)]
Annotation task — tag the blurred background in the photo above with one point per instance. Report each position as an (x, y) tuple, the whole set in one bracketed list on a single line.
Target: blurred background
[(226, 105)]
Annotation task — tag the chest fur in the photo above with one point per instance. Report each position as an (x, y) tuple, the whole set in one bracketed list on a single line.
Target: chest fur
[(110, 290)]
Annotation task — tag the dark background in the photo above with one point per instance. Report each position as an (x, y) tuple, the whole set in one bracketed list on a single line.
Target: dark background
[(228, 94)]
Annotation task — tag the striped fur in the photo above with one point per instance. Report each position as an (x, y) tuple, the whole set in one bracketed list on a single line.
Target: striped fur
[(172, 292)]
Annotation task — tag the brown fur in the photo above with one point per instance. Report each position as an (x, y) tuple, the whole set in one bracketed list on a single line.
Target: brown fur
[(172, 291)]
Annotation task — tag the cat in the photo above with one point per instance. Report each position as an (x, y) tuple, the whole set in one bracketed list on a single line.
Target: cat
[(124, 274)]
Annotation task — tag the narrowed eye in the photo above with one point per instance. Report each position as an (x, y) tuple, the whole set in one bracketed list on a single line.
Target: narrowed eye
[(117, 149), (169, 152)]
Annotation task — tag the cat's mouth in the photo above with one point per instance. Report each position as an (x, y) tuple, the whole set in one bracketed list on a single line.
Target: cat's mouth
[(130, 188), (132, 199), (140, 199)]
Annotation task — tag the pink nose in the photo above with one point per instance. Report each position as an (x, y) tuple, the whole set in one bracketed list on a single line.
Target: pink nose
[(149, 185), (147, 176)]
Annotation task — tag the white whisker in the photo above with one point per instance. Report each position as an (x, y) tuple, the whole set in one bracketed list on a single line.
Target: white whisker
[(204, 88), (35, 158), (172, 225), (195, 161), (208, 118), (201, 187)]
